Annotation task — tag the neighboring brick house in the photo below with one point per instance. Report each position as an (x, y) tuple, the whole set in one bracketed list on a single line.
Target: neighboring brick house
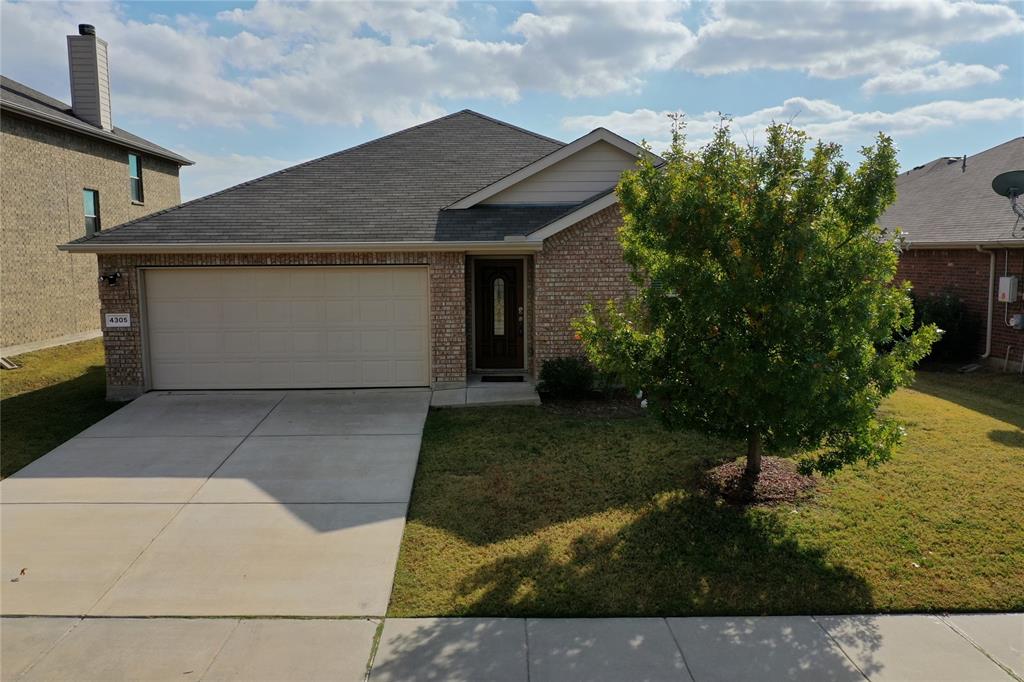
[(56, 159), (463, 245), (962, 238)]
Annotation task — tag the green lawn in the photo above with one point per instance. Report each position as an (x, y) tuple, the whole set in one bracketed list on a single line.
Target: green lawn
[(54, 394), (527, 511)]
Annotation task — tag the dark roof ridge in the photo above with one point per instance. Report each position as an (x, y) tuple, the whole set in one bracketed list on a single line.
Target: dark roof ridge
[(512, 126), (282, 171)]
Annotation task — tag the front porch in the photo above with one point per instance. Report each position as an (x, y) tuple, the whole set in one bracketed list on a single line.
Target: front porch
[(481, 391)]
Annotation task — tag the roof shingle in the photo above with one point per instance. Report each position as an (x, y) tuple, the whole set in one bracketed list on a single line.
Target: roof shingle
[(389, 189), (946, 202), (19, 98)]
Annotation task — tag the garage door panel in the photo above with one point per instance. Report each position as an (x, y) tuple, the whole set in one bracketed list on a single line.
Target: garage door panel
[(240, 343), (410, 311), (378, 372), (304, 312), (273, 343), (287, 327), (342, 342), (306, 283), (167, 343), (343, 373), (273, 284), (209, 343), (377, 342), (274, 312), (205, 285), (341, 312), (410, 341), (230, 374), (376, 312), (409, 282), (239, 312), (237, 283), (407, 371), (313, 343), (342, 285), (377, 283)]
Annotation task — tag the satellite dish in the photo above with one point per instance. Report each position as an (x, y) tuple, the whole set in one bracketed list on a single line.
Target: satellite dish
[(1009, 184)]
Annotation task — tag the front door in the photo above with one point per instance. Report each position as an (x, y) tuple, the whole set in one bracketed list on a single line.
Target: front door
[(499, 314)]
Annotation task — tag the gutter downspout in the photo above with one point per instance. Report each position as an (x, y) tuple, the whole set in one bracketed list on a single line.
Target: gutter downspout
[(991, 301)]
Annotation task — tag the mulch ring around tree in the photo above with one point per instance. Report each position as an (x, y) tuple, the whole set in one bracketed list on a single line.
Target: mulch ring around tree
[(779, 482)]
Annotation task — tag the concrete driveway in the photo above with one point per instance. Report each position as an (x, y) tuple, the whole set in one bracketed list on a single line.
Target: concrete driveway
[(217, 504)]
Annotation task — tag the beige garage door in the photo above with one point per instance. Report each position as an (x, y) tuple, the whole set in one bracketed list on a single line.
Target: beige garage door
[(297, 327)]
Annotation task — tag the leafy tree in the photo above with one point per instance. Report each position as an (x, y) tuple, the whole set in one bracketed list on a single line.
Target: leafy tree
[(766, 309)]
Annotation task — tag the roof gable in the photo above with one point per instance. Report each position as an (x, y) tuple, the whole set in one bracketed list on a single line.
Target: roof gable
[(571, 174), (18, 98)]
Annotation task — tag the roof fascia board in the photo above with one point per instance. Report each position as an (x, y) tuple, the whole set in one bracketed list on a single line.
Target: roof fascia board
[(997, 244), (571, 219), (596, 135), (100, 135), (510, 245)]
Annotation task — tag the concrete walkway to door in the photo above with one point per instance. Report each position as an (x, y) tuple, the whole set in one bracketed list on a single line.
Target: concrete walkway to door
[(229, 503)]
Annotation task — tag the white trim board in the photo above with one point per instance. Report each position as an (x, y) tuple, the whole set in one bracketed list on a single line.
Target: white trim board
[(593, 137), (516, 245)]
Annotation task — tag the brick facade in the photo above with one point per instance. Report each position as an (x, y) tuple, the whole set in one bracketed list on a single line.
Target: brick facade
[(964, 273), (125, 367), (580, 264), (48, 295)]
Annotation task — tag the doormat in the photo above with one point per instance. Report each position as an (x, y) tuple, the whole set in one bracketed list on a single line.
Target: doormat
[(502, 377)]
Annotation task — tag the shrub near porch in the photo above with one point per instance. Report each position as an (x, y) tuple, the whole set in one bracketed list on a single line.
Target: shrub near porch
[(532, 511)]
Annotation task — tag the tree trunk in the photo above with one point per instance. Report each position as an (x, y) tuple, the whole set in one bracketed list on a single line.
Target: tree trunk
[(753, 469)]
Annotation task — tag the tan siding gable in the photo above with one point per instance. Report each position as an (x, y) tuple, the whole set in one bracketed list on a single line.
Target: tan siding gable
[(591, 170)]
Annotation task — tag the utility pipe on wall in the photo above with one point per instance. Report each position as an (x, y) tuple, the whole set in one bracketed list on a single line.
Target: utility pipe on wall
[(991, 300)]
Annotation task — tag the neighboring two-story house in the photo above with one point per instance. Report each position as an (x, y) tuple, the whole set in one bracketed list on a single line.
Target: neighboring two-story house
[(67, 172)]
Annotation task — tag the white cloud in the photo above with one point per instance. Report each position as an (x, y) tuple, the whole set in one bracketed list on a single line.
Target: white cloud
[(841, 39), (933, 78), (214, 172), (398, 63), (387, 62), (820, 118)]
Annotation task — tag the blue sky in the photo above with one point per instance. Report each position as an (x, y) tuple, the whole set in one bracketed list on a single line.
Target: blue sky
[(247, 88)]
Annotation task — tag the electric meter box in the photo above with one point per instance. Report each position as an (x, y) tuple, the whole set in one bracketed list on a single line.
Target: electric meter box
[(1007, 289)]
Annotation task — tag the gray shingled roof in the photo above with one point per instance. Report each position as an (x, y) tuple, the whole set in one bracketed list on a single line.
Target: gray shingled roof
[(21, 99), (389, 189), (942, 202)]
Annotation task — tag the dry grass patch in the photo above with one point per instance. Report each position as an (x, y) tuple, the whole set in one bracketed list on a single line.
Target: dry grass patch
[(531, 511)]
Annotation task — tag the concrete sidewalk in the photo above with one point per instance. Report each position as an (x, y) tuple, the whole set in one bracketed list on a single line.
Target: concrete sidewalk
[(878, 648), (963, 648)]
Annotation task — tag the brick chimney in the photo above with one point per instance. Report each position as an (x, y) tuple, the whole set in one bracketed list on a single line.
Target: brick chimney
[(90, 77)]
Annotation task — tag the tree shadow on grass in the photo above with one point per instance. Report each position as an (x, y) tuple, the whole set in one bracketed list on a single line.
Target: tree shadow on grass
[(688, 555), (33, 423), (1011, 439), (997, 395)]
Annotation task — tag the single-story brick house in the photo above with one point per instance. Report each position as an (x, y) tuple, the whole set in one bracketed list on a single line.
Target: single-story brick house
[(458, 246), (962, 239)]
